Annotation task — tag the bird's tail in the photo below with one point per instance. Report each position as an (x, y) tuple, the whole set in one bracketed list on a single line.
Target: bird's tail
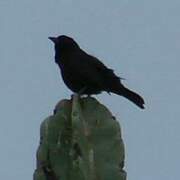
[(132, 96)]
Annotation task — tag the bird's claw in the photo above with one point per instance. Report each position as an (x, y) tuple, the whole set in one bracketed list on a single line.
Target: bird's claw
[(82, 91)]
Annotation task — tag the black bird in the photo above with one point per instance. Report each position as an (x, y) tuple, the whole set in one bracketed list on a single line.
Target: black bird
[(85, 74)]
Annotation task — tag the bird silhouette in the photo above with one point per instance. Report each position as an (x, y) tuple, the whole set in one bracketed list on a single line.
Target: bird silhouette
[(85, 74)]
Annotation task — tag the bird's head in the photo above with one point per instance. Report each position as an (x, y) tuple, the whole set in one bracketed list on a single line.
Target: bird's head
[(64, 43)]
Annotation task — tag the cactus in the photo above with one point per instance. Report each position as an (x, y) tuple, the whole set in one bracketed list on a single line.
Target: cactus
[(81, 141)]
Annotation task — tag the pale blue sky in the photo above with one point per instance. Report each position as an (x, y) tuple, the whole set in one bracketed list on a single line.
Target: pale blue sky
[(138, 39)]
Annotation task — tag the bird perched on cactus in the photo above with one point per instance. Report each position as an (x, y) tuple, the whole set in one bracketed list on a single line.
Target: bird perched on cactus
[(86, 74)]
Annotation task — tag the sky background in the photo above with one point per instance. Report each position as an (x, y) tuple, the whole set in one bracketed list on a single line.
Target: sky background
[(139, 39)]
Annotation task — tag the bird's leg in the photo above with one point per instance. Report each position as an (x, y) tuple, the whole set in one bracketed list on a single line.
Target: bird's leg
[(78, 94), (82, 91)]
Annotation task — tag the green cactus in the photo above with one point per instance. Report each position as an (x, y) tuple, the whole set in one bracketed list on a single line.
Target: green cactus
[(81, 141)]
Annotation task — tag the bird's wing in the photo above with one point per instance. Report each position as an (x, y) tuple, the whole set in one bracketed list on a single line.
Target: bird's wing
[(91, 69), (102, 69)]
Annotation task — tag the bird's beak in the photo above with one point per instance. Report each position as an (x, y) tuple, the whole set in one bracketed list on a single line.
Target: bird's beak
[(53, 39)]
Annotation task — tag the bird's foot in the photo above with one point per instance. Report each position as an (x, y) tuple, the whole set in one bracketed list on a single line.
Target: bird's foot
[(82, 91)]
